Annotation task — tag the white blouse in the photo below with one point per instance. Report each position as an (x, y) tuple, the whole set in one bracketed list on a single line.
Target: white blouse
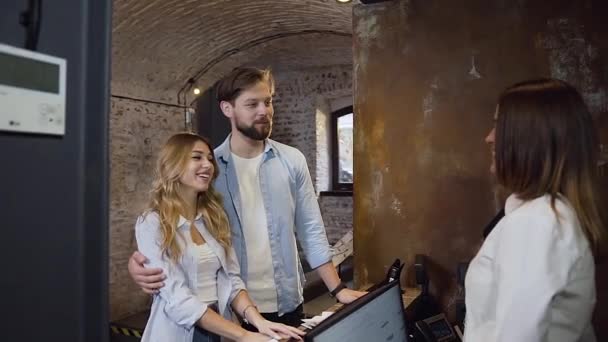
[(533, 278), (207, 268), (176, 308)]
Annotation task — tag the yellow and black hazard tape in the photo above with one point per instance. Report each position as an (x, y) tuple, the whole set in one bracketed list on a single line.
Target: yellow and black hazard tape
[(125, 331)]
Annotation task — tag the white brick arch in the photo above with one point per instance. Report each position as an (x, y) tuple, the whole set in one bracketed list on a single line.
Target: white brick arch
[(159, 44)]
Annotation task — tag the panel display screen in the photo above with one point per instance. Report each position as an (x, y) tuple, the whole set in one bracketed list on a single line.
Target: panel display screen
[(29, 73), (441, 328)]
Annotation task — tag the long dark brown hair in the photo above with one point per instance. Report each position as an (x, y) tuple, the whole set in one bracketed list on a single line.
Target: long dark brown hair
[(546, 143)]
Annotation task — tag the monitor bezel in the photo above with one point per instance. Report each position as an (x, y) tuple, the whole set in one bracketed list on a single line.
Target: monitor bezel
[(346, 310)]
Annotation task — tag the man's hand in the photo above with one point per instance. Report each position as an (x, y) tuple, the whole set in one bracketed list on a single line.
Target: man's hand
[(347, 296), (331, 279), (149, 279)]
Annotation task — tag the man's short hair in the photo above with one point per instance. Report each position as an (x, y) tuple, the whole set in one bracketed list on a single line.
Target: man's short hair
[(240, 79)]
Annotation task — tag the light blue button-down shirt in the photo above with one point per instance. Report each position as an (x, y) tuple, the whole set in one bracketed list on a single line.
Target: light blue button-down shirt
[(291, 208), (176, 309)]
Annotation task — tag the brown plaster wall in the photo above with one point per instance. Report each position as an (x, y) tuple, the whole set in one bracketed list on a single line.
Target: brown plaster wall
[(427, 75)]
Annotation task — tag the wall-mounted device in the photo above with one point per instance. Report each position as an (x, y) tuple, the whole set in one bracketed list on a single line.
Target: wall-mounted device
[(32, 91)]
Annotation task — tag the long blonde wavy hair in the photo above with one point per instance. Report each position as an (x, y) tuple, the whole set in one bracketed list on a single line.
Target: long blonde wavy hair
[(166, 202)]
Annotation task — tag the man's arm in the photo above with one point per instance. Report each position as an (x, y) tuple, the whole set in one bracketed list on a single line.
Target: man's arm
[(311, 232), (330, 277), (149, 279)]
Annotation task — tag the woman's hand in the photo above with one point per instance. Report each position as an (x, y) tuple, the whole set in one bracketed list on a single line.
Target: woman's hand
[(253, 337), (277, 330)]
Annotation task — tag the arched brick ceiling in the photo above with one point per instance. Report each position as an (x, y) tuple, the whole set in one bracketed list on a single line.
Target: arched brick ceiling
[(159, 44)]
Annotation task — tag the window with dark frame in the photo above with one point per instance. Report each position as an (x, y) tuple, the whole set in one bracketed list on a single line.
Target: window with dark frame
[(342, 149)]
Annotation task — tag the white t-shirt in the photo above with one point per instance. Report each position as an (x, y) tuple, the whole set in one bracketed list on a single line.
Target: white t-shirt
[(260, 273)]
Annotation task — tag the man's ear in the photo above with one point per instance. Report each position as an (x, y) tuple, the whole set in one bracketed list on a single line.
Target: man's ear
[(227, 109)]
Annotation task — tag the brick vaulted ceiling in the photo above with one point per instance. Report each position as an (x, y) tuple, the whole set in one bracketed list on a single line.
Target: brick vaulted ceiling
[(159, 44)]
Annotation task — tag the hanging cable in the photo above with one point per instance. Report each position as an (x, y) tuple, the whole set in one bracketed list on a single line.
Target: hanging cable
[(31, 20)]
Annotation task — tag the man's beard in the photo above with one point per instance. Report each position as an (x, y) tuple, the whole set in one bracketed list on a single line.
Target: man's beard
[(257, 131)]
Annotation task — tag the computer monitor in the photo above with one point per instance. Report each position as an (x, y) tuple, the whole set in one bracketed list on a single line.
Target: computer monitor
[(377, 316)]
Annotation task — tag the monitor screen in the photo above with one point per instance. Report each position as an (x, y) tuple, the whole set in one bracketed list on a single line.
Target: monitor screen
[(377, 316)]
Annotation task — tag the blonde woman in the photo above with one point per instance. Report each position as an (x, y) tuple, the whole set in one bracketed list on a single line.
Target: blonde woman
[(186, 234), (533, 279)]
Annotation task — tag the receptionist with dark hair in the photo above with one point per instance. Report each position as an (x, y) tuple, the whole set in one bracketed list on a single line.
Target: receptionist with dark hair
[(534, 277)]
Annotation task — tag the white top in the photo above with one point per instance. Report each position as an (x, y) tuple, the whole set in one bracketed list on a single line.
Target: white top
[(260, 273), (207, 266), (176, 307), (533, 279)]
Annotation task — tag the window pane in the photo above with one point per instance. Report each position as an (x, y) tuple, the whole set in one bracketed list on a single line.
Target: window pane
[(345, 148)]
